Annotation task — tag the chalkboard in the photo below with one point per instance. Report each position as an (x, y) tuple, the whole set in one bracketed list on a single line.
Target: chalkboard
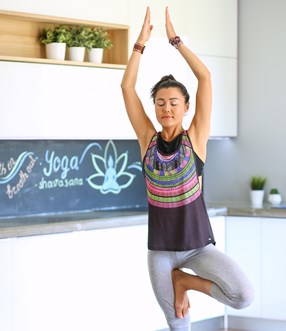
[(62, 176)]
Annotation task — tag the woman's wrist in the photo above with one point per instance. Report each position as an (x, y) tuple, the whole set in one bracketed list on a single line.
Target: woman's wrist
[(138, 47), (176, 42)]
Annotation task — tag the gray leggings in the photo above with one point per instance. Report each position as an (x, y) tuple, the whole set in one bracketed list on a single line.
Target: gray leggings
[(230, 285)]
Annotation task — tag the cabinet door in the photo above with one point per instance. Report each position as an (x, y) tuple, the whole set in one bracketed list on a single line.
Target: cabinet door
[(224, 103), (212, 27), (273, 269), (243, 244), (6, 284), (224, 112), (218, 226), (93, 280), (41, 101), (47, 282)]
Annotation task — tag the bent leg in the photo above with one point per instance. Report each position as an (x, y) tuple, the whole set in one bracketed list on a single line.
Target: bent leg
[(229, 283)]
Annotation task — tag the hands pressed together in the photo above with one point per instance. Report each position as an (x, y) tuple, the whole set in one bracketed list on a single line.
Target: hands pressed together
[(147, 27)]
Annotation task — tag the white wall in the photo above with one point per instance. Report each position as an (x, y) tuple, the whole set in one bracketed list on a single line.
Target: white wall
[(259, 148)]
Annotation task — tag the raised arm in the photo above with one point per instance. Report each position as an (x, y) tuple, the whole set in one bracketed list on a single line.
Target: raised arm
[(199, 129), (141, 123)]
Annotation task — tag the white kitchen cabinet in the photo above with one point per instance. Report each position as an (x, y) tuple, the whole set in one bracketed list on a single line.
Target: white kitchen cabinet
[(41, 101), (257, 245), (224, 103), (273, 269), (93, 280), (224, 77), (6, 284), (212, 27), (243, 244)]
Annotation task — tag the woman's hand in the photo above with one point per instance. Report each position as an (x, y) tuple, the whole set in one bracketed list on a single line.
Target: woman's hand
[(169, 26), (146, 28)]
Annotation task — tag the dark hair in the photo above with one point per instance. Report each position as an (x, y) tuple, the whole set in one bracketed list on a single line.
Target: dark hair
[(166, 82)]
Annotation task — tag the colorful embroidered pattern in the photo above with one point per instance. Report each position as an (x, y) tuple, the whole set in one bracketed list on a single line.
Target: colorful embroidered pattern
[(171, 180)]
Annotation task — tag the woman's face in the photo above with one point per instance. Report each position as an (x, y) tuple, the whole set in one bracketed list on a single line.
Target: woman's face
[(170, 107)]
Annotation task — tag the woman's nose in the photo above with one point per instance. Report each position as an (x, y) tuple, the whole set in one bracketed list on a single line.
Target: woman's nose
[(167, 108)]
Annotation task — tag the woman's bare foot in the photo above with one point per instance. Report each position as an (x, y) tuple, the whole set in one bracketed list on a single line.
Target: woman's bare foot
[(182, 282), (181, 303)]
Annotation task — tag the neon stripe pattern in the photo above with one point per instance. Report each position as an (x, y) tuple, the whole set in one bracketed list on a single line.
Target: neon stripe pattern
[(171, 180)]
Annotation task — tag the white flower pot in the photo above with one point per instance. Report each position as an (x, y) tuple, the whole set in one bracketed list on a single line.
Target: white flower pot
[(256, 197), (76, 53), (274, 199), (95, 55), (56, 51)]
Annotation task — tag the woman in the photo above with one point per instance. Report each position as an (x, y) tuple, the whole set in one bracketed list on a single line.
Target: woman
[(179, 231)]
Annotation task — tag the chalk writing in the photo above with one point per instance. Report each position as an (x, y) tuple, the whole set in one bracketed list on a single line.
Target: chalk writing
[(12, 190), (64, 164), (13, 167), (56, 164), (55, 183)]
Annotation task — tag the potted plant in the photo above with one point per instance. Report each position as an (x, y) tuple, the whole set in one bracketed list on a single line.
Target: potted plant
[(257, 191), (274, 197), (76, 42), (97, 40), (55, 39)]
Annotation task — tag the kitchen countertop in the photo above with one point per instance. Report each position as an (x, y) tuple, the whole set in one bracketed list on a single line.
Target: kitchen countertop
[(11, 227)]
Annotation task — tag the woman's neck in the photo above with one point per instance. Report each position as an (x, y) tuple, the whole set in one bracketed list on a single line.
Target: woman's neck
[(168, 134)]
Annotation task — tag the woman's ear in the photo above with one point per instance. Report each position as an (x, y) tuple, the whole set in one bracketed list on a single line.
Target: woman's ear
[(187, 106)]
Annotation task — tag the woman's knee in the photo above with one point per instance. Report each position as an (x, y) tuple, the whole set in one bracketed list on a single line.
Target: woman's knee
[(243, 299)]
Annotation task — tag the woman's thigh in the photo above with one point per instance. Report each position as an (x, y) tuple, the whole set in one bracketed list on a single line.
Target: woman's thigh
[(231, 285)]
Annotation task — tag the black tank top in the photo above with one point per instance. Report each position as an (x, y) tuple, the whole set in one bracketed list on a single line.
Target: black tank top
[(169, 147), (177, 215)]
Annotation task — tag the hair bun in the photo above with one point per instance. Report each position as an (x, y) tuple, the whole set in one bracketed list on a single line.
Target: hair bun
[(166, 78)]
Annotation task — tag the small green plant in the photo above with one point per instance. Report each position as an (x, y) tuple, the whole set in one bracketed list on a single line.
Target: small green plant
[(274, 191), (98, 38), (57, 34), (77, 36), (257, 183)]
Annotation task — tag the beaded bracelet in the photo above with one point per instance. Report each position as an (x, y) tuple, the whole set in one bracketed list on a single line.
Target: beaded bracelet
[(176, 42), (138, 48)]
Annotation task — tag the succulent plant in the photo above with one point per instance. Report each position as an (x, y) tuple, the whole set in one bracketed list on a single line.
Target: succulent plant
[(274, 191), (257, 183)]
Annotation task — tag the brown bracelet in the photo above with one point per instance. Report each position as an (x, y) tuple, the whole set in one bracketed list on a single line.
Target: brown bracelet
[(176, 42), (138, 48)]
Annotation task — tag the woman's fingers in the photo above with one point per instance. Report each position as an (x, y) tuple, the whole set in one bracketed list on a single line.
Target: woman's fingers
[(169, 26), (146, 27)]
